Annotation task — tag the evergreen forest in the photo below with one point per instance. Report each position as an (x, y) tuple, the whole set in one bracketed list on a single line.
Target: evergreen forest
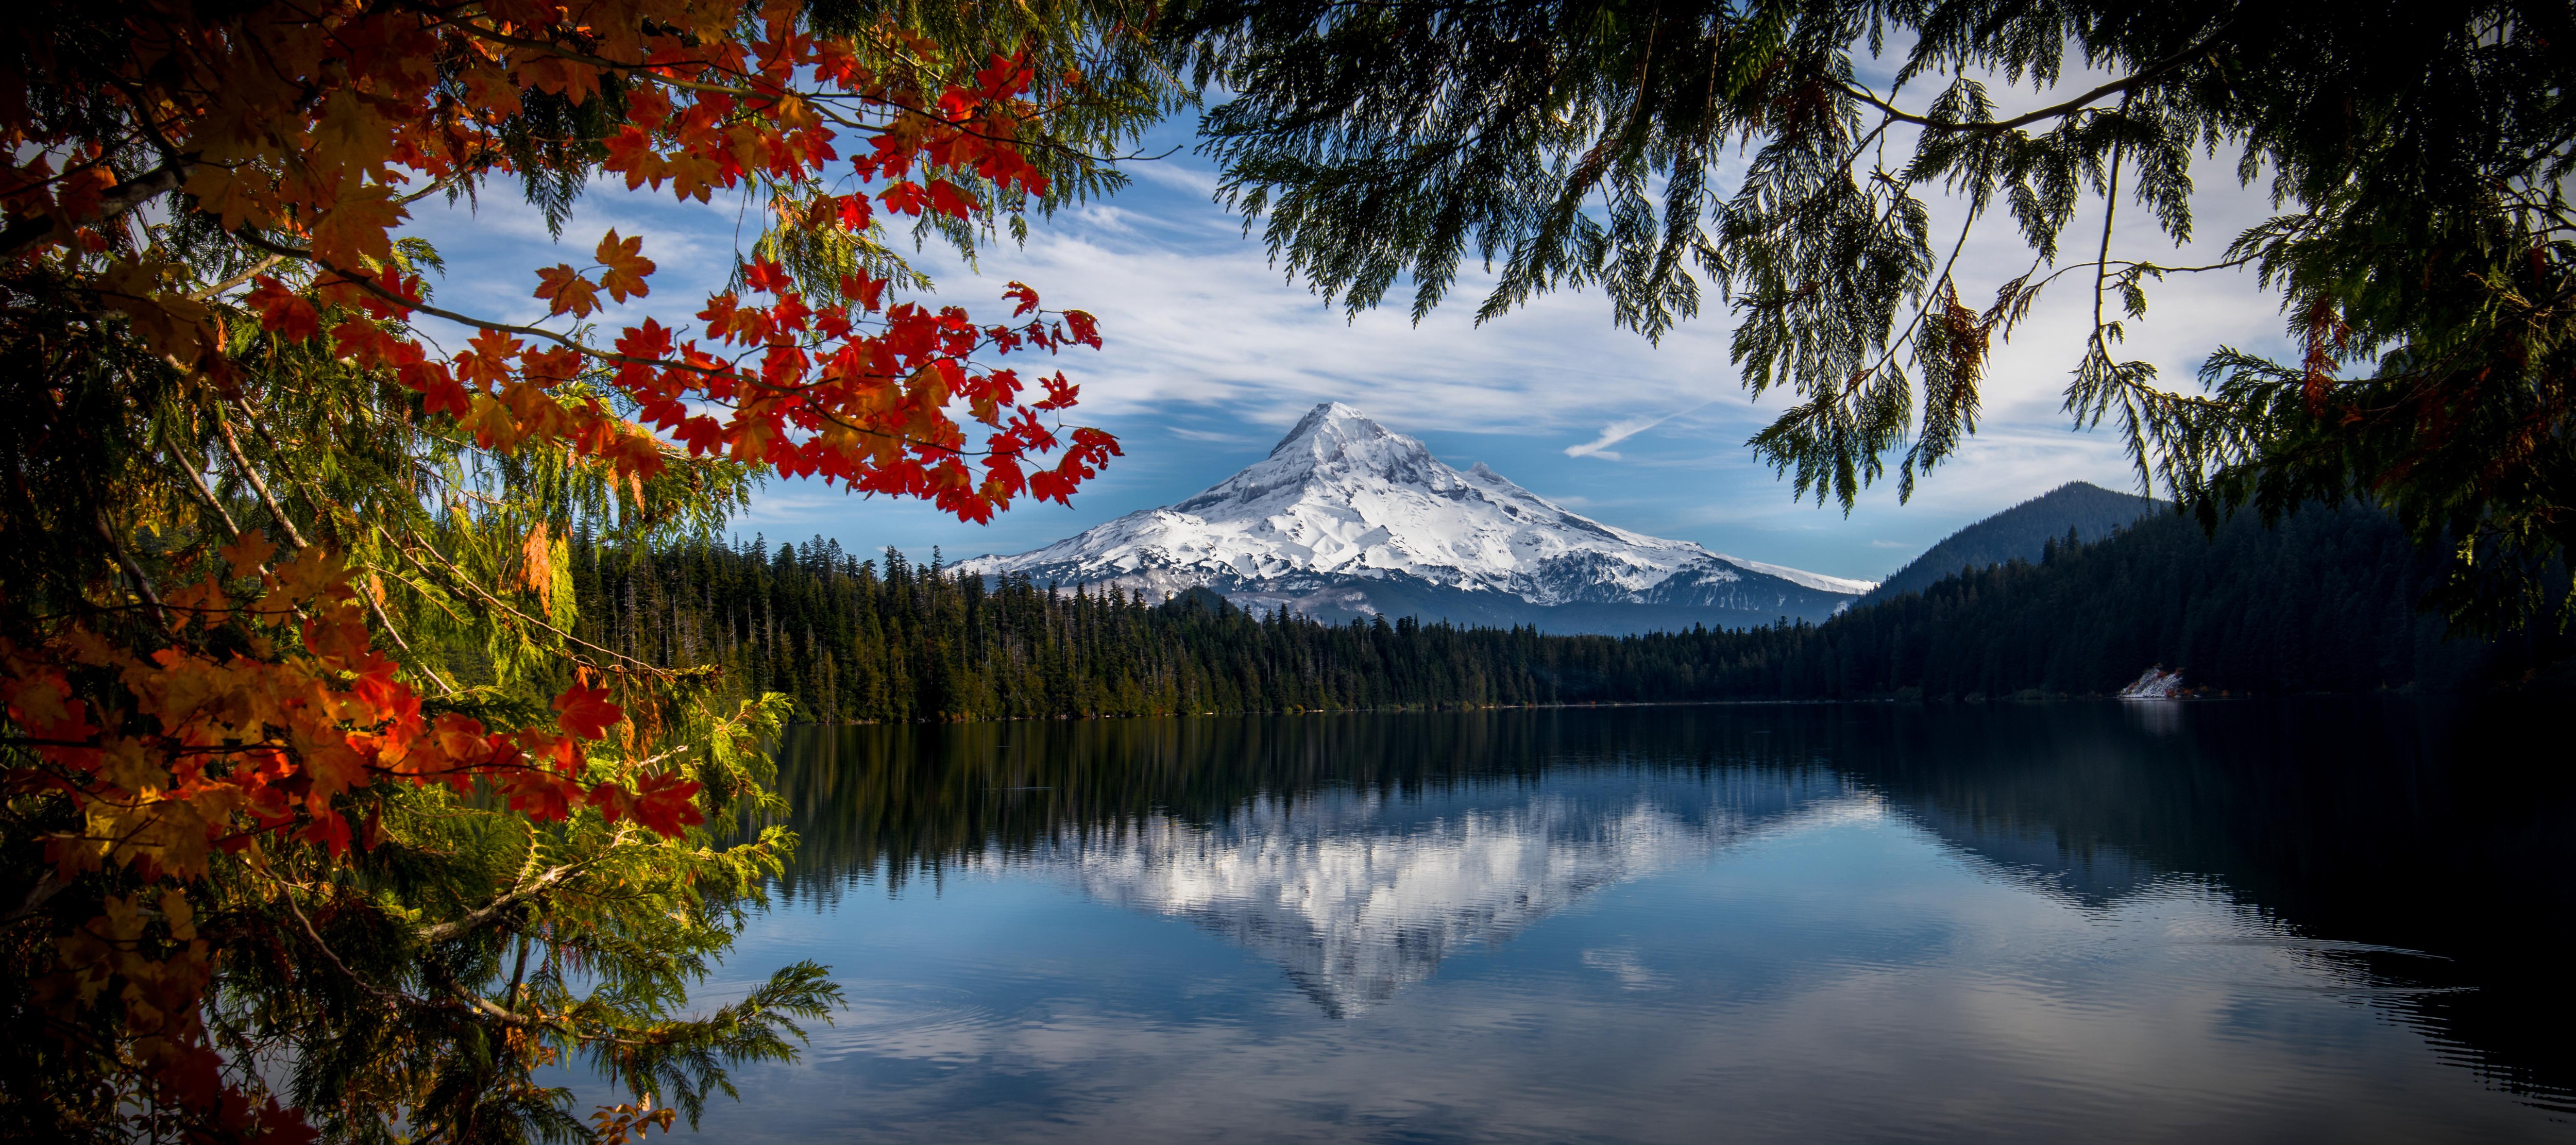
[(2324, 601)]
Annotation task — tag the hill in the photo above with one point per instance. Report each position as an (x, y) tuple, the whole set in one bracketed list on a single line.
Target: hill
[(2019, 533)]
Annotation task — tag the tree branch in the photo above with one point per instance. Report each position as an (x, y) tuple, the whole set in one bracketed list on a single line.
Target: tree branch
[(468, 583), (2150, 73), (483, 916), (232, 445), (22, 235)]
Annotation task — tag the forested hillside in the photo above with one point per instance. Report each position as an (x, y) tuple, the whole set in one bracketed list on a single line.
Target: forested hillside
[(2324, 602), (2020, 533)]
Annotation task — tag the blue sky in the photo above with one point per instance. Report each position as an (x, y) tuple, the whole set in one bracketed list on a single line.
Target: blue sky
[(1211, 354)]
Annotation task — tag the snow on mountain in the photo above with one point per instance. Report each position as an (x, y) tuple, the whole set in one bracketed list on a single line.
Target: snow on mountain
[(1346, 517)]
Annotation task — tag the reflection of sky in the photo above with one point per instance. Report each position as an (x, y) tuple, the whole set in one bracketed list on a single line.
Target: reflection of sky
[(1678, 967)]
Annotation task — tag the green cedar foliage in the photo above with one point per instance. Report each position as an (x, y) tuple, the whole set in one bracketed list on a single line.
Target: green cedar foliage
[(2418, 155)]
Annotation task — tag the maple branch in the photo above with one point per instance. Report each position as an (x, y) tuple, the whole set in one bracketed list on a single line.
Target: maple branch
[(368, 283), (371, 286), (822, 101), (23, 234)]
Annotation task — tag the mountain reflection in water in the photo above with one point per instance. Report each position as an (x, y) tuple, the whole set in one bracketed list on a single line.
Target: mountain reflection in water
[(2408, 859), (1357, 897)]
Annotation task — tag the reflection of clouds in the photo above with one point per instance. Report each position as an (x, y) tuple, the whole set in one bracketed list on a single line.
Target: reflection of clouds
[(1839, 978), (1624, 965), (1357, 900)]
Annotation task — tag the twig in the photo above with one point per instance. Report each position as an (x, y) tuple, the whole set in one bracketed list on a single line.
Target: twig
[(482, 916), (2152, 71), (2102, 261), (464, 1001), (47, 883), (232, 445), (469, 584), (133, 571)]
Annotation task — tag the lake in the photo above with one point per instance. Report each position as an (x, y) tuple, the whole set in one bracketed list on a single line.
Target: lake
[(2219, 921)]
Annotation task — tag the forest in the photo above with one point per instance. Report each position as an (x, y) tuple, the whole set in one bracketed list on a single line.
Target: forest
[(2325, 601)]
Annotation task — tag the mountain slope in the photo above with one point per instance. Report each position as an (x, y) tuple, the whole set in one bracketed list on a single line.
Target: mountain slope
[(2022, 531), (1346, 518)]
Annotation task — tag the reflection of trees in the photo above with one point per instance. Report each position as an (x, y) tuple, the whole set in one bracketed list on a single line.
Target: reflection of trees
[(2419, 825), (897, 801), (2415, 825)]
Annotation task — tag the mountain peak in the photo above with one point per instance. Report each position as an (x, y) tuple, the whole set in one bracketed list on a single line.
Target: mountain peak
[(1331, 422), (1345, 505)]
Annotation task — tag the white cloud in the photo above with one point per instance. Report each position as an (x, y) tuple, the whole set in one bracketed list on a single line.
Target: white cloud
[(1619, 431), (1211, 352)]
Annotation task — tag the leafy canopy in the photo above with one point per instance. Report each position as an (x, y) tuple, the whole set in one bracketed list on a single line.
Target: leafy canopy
[(320, 816), (2419, 155)]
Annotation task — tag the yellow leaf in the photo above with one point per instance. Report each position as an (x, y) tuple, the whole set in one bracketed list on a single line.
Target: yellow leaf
[(183, 918), (249, 553)]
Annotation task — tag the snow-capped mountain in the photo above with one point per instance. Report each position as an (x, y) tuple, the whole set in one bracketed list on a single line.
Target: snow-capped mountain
[(1346, 518)]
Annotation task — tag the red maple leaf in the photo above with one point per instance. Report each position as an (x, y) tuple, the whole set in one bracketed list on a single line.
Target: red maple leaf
[(586, 713), (283, 312)]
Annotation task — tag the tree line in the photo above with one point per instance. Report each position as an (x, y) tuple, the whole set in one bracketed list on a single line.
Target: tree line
[(2323, 602)]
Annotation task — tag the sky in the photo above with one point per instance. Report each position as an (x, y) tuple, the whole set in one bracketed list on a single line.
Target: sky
[(1211, 353)]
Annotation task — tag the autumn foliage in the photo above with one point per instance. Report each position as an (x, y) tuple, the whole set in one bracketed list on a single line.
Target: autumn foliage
[(227, 764)]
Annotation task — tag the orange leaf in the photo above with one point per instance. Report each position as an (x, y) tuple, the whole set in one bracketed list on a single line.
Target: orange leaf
[(249, 554), (626, 267), (536, 568), (564, 289)]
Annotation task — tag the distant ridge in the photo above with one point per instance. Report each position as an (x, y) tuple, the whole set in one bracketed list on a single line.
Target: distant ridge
[(2021, 532)]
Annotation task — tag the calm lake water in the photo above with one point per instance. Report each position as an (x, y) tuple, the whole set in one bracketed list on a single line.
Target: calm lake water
[(2226, 921)]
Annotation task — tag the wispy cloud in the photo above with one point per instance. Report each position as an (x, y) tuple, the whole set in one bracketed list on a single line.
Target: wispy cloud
[(1210, 438), (1213, 350), (1178, 176), (1619, 431)]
